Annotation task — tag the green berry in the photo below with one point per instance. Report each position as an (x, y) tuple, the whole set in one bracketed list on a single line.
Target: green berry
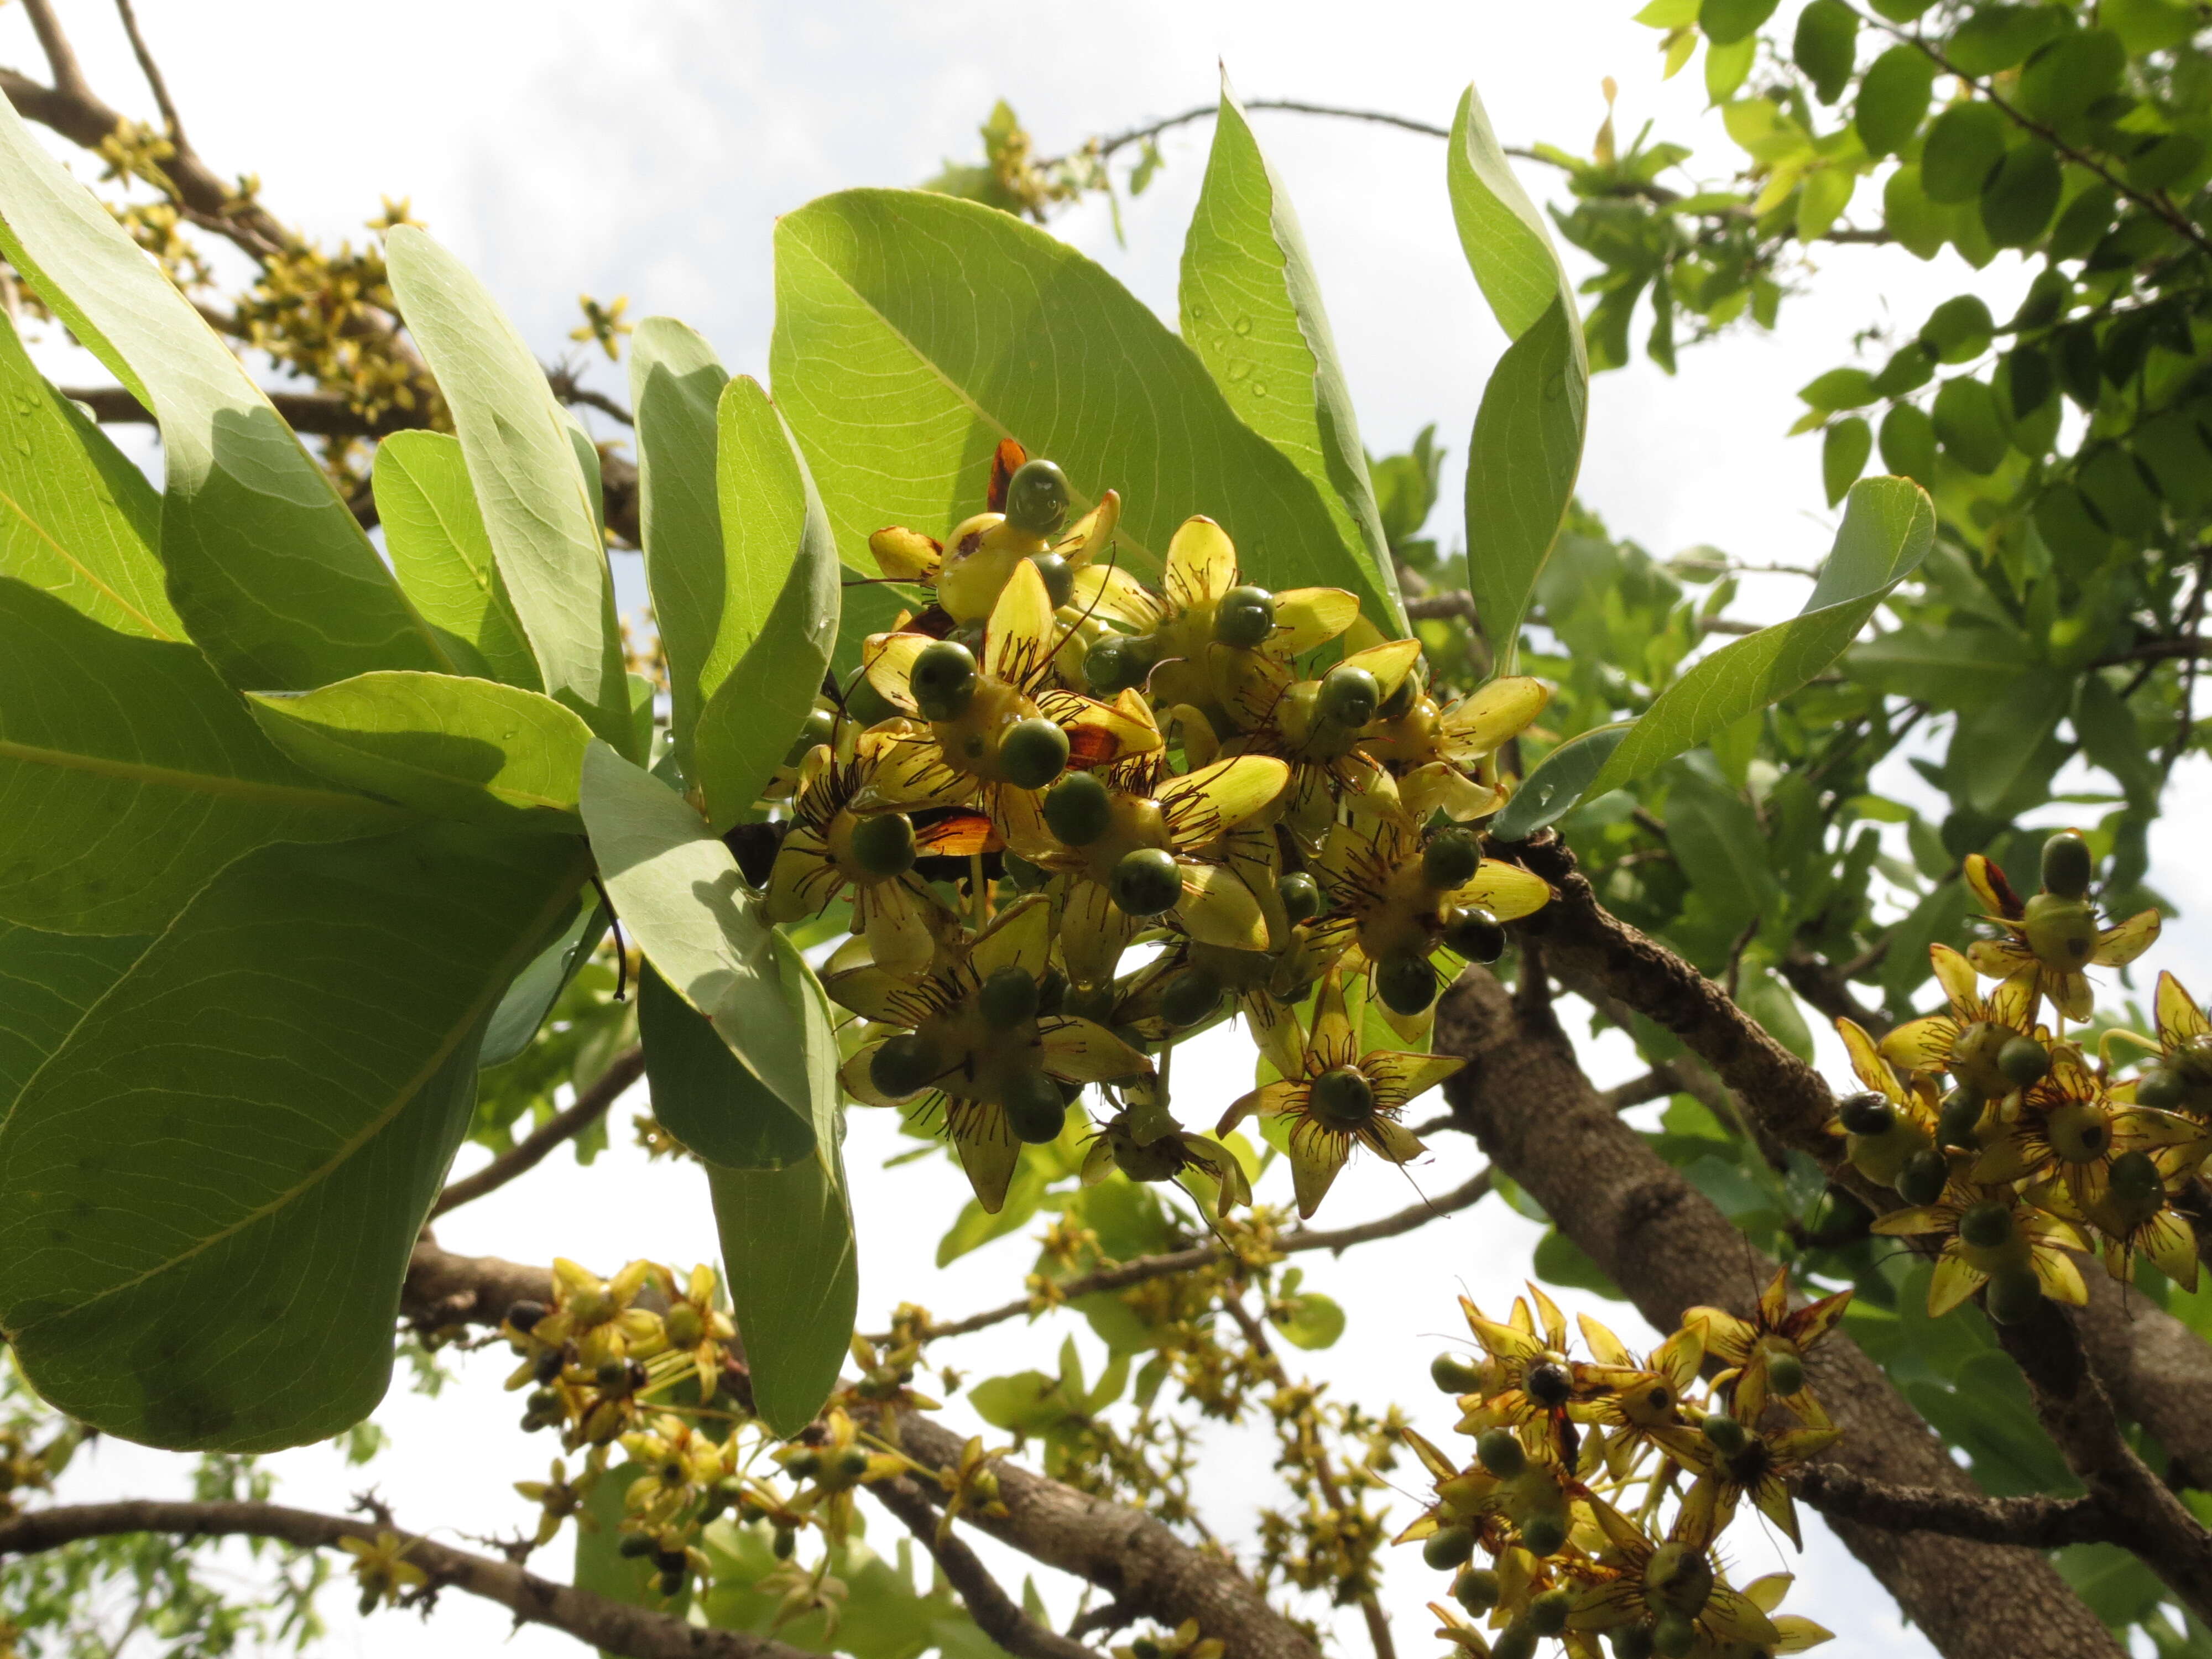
[(1962, 1116), (943, 680), (884, 845), (1543, 1534), (1078, 809), (1146, 882), (1726, 1434), (2012, 1295), (1407, 985), (1449, 1547), (1631, 1642), (1190, 997), (635, 1548), (1400, 703), (1342, 1098), (1245, 616), (1679, 1578), (1036, 498), (1673, 1636), (1923, 1177), (2161, 1087), (904, 1065), (1476, 1589), (866, 705), (2066, 864), (1548, 1614), (1091, 1002), (1035, 1109), (1454, 1375), (1472, 932), (1008, 997), (1785, 1374), (1110, 667), (1348, 696), (1301, 896), (1059, 580), (2136, 1191), (1450, 860), (1032, 752), (1867, 1114), (2024, 1061), (1518, 1639), (820, 727), (1987, 1225), (2062, 932), (786, 1541), (852, 1463), (1500, 1451)]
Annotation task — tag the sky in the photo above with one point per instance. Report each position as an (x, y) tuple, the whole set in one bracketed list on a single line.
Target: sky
[(563, 148)]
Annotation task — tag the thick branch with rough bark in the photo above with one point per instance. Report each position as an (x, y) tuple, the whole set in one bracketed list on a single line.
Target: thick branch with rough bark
[(1527, 1103), (2033, 1522), (610, 1625)]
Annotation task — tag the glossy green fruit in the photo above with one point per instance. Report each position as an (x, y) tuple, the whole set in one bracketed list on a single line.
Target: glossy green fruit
[(1476, 1589), (1450, 860), (1032, 753), (904, 1065), (2136, 1189), (1548, 1614), (1349, 696), (1146, 882), (1190, 997), (1500, 1451), (2062, 932), (1673, 1636), (1987, 1225), (1451, 1547), (1454, 1375), (1078, 809), (1785, 1374), (1301, 896), (1962, 1116), (1035, 1109), (2012, 1295), (1406, 985), (1542, 1535), (1400, 703), (1631, 1642), (1867, 1114), (2068, 866), (820, 727), (1036, 498), (1727, 1435), (1110, 667), (1342, 1098), (1472, 932), (2161, 1088), (884, 845), (943, 680), (1924, 1177), (1245, 616), (2024, 1061), (1059, 580), (866, 705), (1008, 998)]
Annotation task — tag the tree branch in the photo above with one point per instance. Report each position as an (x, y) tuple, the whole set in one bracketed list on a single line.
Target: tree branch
[(995, 1612), (61, 56), (611, 1625), (2036, 1522), (152, 71), (527, 1154), (1526, 1100)]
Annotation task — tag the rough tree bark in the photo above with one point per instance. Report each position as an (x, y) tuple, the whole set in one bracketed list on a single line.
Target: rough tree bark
[(1526, 1099)]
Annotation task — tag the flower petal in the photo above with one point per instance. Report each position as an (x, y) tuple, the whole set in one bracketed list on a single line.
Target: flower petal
[(1952, 1282), (1442, 787), (988, 1148), (1331, 1043), (1093, 931), (1201, 563), (907, 555), (1201, 804), (1506, 891), (1110, 591), (1389, 662), (1306, 617), (890, 659), (1316, 1155), (2180, 1018), (1996, 958), (2120, 945), (1399, 1078), (1956, 976), (893, 915), (1478, 726), (1217, 909), (1019, 936), (1393, 1139), (1990, 886), (1268, 1100), (1089, 536), (1022, 628), (1083, 1051)]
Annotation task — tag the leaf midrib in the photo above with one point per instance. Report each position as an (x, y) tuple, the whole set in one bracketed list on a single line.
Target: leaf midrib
[(78, 565), (201, 783)]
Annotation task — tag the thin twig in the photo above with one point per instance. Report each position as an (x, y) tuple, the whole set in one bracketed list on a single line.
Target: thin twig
[(152, 71), (527, 1154), (997, 1614), (61, 56)]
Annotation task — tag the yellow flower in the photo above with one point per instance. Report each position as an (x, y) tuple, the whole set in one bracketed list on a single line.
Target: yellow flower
[(1168, 1155), (1342, 1098), (2058, 936), (595, 1315), (1775, 1338), (557, 1498), (696, 1329), (381, 1568), (971, 1052), (834, 1464), (1987, 1237), (1649, 1583), (1879, 1143), (2180, 1079), (1967, 1041), (1437, 748)]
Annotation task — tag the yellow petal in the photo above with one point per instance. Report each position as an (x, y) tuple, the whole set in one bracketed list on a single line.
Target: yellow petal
[(989, 1152), (1389, 662), (1087, 538), (2060, 1279), (1020, 936), (1796, 1633), (1401, 1078), (1269, 1100), (1274, 1029), (2118, 947), (906, 555), (1392, 1140), (1506, 891), (1201, 804), (2167, 1240), (2180, 1018), (1217, 909), (2013, 1003), (1990, 887), (1316, 1155), (1480, 725), (803, 879), (1093, 931), (1084, 1051), (1108, 590), (1904, 1224), (1306, 617), (1866, 1062), (1953, 1281), (1020, 634), (1201, 563), (890, 660), (893, 916), (1956, 976), (874, 993), (2073, 993), (1331, 1043), (1996, 958), (1249, 684), (1442, 787)]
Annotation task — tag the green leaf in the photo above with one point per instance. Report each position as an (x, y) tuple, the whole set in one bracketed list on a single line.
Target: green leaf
[(208, 1193), (1844, 454), (1908, 443), (1965, 414), (1888, 526), (1309, 1321), (132, 775), (1523, 460), (472, 750), (703, 1097), (436, 539), (2063, 78), (1559, 781), (1965, 145), (1840, 388), (1997, 37), (1727, 22), (1920, 227), (266, 566), (51, 980), (1251, 309), (1893, 95), (1959, 329), (2021, 195), (1825, 46), (1559, 1261), (536, 508), (788, 1257), (913, 332), (777, 623), (77, 520), (675, 380), (601, 1567), (1951, 667), (1717, 842), (677, 888), (540, 986), (1500, 230)]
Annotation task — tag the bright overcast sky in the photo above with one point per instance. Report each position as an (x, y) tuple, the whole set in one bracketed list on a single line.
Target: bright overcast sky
[(566, 147)]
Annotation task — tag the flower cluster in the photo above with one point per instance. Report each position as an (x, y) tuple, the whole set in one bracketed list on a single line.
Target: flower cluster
[(1258, 784), (2010, 1148), (1572, 1521)]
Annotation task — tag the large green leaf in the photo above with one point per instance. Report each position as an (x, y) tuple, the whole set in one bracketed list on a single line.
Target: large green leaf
[(675, 381), (1888, 526), (77, 518), (473, 751), (677, 889), (1251, 309), (52, 979), (208, 1192), (436, 539), (538, 988), (1527, 442), (913, 332), (131, 774), (794, 1274), (702, 1095), (534, 497), (268, 569), (1550, 791), (777, 622)]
